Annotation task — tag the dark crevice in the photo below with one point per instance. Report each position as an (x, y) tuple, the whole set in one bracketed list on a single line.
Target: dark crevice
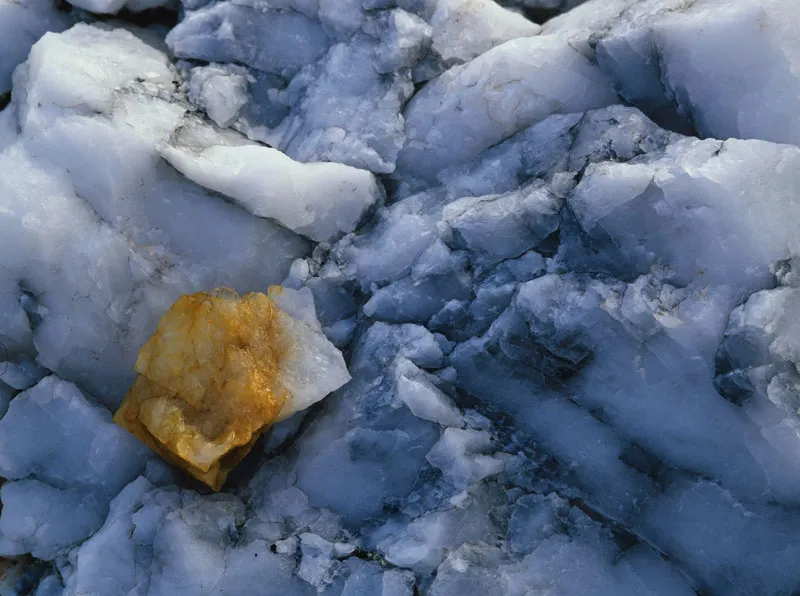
[(29, 301), (243, 473), (670, 116), (241, 476), (374, 557), (5, 99), (540, 15), (670, 119), (29, 572), (161, 16), (549, 246)]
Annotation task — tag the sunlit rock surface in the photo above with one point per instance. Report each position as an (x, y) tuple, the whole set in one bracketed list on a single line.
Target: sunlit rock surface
[(559, 260), (319, 200), (220, 370)]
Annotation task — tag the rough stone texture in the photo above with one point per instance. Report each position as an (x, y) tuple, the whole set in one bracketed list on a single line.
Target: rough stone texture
[(560, 264)]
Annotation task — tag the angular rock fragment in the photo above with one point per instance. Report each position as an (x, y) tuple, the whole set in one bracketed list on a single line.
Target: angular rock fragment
[(463, 30), (319, 200), (220, 370)]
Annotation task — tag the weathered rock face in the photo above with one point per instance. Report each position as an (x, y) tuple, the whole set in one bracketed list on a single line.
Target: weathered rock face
[(219, 371)]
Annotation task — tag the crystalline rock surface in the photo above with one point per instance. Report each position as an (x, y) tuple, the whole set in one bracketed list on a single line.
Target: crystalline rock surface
[(533, 325)]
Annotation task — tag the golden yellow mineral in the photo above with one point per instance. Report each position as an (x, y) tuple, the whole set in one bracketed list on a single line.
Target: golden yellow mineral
[(219, 371)]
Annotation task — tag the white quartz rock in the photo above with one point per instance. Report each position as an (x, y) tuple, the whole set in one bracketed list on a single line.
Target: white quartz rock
[(82, 71), (8, 128), (318, 200), (368, 579), (162, 541), (465, 29), (672, 515), (697, 47), (472, 107), (192, 543), (460, 455), (369, 441), (252, 566), (423, 398), (595, 16), (587, 281), (422, 544), (708, 218), (534, 519), (727, 68), (763, 330), (220, 90), (318, 565), (315, 368), (401, 231), (344, 107), (555, 149), (105, 234)]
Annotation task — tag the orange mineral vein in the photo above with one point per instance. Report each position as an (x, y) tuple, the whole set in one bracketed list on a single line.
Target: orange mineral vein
[(221, 369)]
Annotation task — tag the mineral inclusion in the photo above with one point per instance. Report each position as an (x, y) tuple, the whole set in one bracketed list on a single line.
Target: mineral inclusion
[(217, 373)]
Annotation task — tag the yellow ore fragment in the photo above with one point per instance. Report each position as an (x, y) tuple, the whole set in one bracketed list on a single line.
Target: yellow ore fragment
[(209, 381)]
